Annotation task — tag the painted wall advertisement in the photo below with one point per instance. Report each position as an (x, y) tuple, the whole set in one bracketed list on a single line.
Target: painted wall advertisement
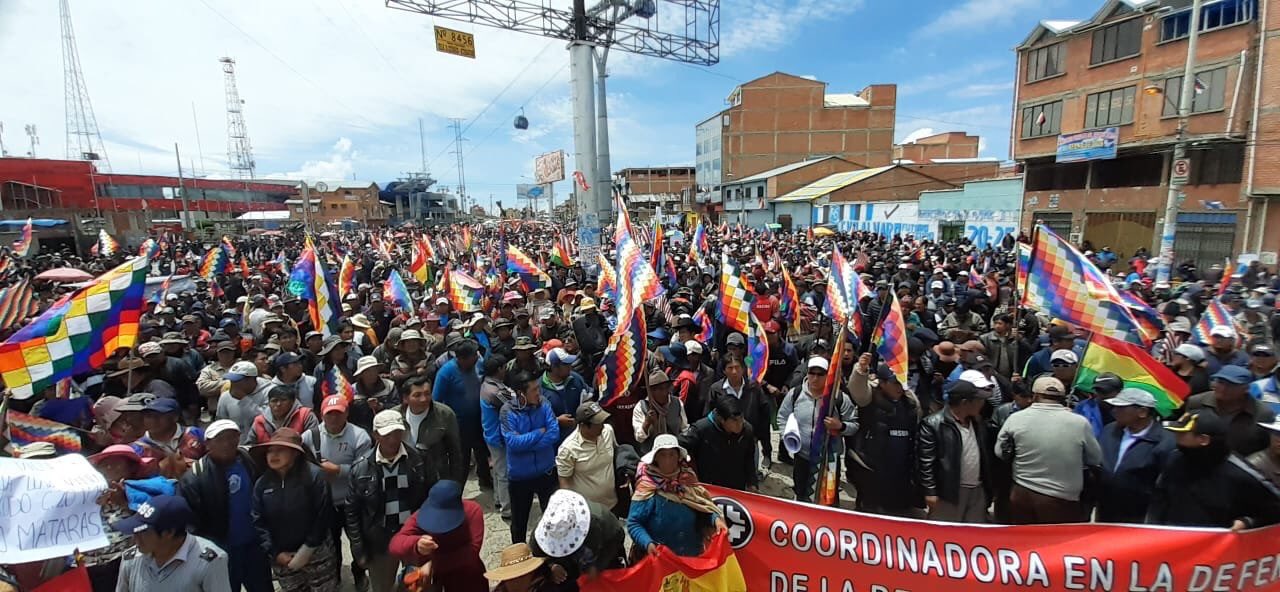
[(982, 227), (886, 218), (1088, 145)]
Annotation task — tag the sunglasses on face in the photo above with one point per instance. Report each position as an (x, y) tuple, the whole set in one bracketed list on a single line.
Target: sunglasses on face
[(1063, 365), (817, 373)]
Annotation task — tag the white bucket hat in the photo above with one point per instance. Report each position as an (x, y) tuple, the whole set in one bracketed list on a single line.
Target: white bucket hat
[(563, 527), (663, 442)]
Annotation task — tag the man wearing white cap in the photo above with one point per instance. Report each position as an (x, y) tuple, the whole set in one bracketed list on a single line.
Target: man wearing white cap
[(219, 489), (244, 399), (1050, 448), (1187, 361), (1135, 448), (387, 485), (801, 403), (1223, 350)]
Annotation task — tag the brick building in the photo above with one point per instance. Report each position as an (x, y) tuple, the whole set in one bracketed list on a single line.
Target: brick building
[(1122, 70), (946, 146), (354, 202), (781, 119), (647, 188)]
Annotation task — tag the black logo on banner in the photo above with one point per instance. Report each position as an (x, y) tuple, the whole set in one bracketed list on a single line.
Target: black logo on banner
[(737, 520)]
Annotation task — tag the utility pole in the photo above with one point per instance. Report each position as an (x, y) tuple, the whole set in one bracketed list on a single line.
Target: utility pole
[(1185, 97), (3, 151), (182, 191), (306, 207), (462, 171), (422, 145), (33, 137)]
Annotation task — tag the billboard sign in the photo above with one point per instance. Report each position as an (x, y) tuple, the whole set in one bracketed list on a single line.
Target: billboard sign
[(549, 167), (528, 191), (1088, 145)]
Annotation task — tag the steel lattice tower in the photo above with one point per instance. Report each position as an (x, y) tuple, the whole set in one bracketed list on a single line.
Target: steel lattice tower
[(239, 150), (84, 141)]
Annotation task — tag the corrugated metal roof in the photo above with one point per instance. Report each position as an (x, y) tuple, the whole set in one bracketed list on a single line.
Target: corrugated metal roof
[(831, 183), (777, 171)]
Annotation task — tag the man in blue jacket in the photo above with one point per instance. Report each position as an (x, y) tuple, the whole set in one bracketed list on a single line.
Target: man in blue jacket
[(1135, 448), (531, 435), (564, 389)]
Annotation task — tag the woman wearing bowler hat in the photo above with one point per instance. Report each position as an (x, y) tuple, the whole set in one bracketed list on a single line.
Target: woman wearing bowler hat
[(291, 512)]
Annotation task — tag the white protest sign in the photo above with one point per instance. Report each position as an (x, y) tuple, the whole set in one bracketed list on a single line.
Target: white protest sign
[(48, 508)]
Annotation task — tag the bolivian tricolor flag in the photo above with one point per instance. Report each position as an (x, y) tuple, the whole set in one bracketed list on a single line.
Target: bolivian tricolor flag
[(1136, 368), (716, 570)]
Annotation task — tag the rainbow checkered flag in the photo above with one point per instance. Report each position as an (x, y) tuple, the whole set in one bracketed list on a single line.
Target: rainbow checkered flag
[(757, 351), (735, 299), (78, 333), (1215, 315), (623, 359), (825, 479), (1064, 284), (26, 429), (844, 293), (636, 280), (890, 338)]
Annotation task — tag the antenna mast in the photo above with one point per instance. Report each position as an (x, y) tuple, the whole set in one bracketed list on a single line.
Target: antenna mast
[(239, 150), (462, 172), (84, 141)]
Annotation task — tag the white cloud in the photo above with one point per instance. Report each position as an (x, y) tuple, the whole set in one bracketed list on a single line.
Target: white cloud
[(979, 90), (922, 132), (765, 25), (951, 78), (338, 166), (978, 16)]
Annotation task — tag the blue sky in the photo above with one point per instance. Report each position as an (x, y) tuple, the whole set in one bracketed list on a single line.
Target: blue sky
[(334, 88)]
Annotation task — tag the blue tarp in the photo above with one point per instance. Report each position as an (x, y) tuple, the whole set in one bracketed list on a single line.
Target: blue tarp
[(41, 222)]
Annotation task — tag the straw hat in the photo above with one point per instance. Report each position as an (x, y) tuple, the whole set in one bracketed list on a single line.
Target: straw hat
[(517, 560)]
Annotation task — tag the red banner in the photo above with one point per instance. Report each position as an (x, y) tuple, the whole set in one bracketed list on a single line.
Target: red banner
[(783, 546)]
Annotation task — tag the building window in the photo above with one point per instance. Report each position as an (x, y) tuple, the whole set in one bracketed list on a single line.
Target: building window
[(760, 191), (1219, 165), (1045, 62), (1112, 107), (1213, 15), (1041, 120), (1117, 41), (1209, 94)]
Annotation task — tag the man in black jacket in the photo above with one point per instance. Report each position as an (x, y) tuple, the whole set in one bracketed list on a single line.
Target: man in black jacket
[(757, 409), (219, 489), (591, 330), (954, 457), (1135, 448), (387, 485), (723, 447), (1207, 485)]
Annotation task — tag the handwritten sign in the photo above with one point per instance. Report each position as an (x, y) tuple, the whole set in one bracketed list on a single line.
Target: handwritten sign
[(48, 508), (458, 43)]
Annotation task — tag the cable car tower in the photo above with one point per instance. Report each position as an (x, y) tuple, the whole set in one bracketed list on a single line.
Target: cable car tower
[(681, 30)]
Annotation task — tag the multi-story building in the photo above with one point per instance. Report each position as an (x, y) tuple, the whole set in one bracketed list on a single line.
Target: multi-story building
[(781, 119), (127, 206), (342, 202), (647, 189), (1095, 123)]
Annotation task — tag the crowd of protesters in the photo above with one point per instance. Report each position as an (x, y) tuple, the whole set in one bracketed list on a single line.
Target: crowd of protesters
[(225, 447)]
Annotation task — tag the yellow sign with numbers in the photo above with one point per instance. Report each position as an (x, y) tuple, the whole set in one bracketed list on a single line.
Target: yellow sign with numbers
[(455, 42)]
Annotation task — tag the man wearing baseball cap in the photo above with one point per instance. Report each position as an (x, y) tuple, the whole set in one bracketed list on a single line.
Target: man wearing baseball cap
[(168, 558), (391, 481), (244, 397), (1135, 448), (1050, 449), (337, 444), (954, 459), (1242, 413), (584, 460), (219, 490), (1205, 484), (1223, 350), (1187, 361)]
